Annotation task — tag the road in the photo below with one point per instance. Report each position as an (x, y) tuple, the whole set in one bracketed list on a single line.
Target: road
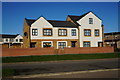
[(61, 66)]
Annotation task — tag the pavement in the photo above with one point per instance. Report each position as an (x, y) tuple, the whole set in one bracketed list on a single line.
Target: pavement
[(54, 67), (103, 73)]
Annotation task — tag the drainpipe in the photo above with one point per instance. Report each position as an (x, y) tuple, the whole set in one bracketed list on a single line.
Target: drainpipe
[(112, 40)]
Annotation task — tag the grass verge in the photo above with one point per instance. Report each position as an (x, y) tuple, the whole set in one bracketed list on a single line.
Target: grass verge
[(59, 57)]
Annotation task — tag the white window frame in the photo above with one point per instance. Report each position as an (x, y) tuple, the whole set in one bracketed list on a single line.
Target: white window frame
[(90, 20), (62, 32), (47, 41), (35, 32), (74, 32), (61, 41)]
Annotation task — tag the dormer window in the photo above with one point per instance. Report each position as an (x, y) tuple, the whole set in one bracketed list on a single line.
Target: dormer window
[(90, 20)]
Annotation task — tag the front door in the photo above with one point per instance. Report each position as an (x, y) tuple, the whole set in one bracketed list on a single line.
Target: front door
[(100, 44), (73, 43), (32, 44)]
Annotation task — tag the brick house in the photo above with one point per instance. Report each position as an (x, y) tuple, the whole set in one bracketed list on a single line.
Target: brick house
[(11, 41), (112, 39), (76, 31)]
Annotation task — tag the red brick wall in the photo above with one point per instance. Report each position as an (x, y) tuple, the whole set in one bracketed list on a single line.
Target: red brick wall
[(26, 51), (52, 51), (80, 50)]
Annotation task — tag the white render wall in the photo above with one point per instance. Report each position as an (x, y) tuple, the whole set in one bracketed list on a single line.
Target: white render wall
[(42, 23), (18, 37), (84, 22)]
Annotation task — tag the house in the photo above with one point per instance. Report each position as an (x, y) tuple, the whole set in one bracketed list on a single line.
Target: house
[(77, 31), (11, 41), (112, 39)]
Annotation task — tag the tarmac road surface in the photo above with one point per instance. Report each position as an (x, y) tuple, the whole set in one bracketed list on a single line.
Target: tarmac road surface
[(61, 66)]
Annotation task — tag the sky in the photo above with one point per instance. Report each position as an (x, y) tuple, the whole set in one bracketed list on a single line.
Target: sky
[(14, 13)]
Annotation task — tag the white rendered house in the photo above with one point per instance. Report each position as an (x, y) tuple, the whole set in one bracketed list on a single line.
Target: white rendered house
[(77, 31), (11, 41)]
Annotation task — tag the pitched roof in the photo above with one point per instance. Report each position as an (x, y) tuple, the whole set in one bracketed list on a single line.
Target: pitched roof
[(8, 36), (76, 18), (57, 23), (112, 33), (30, 21), (111, 40)]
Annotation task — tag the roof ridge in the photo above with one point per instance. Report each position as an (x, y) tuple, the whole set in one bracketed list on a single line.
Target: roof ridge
[(73, 15), (58, 20)]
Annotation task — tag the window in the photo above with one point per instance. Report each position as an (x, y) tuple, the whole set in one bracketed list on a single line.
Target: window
[(34, 32), (47, 44), (73, 32), (6, 40), (16, 40), (1, 40), (62, 32), (11, 40), (47, 32), (86, 44), (96, 32), (21, 40), (61, 44), (25, 33), (90, 20), (87, 32)]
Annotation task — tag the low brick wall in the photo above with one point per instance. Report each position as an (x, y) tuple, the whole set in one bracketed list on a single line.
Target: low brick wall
[(79, 50), (26, 51), (51, 51)]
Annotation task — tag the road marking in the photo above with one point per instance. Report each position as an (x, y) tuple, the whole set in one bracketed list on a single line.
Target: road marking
[(61, 73)]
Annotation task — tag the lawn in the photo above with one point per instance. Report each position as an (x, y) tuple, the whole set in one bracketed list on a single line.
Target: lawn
[(59, 57)]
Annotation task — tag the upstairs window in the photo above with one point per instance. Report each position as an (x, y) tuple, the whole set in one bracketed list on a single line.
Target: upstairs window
[(96, 32), (6, 40), (62, 32), (21, 40), (1, 40), (73, 32), (90, 20), (87, 32), (11, 40), (34, 32), (16, 40), (47, 32)]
